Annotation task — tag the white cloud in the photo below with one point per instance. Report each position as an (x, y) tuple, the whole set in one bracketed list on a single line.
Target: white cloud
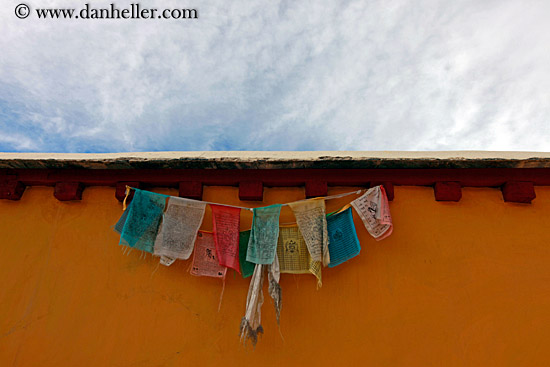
[(17, 142), (433, 75)]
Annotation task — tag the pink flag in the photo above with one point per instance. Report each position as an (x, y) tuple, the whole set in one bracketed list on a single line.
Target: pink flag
[(205, 262), (374, 210), (225, 224)]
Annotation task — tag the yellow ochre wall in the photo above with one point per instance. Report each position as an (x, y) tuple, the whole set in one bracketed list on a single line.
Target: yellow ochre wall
[(457, 284)]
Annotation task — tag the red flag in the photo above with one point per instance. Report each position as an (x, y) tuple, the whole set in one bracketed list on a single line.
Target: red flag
[(226, 222)]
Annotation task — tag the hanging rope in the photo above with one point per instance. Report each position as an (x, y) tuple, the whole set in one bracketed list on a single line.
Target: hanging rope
[(337, 196), (126, 197)]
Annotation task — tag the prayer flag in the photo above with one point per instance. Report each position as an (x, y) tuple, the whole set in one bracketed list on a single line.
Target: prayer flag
[(344, 243), (142, 220), (294, 257), (225, 223), (247, 267), (178, 231), (205, 262), (274, 289), (374, 210), (166, 261), (311, 219), (119, 226), (251, 323), (262, 245)]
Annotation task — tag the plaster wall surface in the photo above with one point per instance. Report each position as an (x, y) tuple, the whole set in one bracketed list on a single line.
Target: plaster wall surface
[(456, 284)]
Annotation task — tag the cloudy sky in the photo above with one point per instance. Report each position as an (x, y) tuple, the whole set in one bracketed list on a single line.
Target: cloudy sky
[(279, 75)]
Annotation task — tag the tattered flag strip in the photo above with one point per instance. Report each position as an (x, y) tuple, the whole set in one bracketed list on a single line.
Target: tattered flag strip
[(294, 257), (178, 231), (344, 243), (251, 323), (374, 210), (247, 268), (262, 245), (311, 219), (225, 224), (274, 289), (142, 220), (205, 261)]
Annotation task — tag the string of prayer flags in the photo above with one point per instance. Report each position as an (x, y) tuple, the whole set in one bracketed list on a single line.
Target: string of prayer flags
[(311, 219), (225, 224), (178, 231), (251, 323), (169, 227), (247, 268), (142, 220), (373, 208), (205, 261), (262, 245), (344, 244), (294, 257)]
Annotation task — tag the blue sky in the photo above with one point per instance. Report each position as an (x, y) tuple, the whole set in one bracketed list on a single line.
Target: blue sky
[(279, 75)]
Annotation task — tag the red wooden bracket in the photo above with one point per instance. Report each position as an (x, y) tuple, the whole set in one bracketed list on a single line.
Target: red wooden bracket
[(251, 190), (316, 188), (65, 191), (518, 192), (120, 192), (190, 189), (11, 190), (448, 191), (388, 186)]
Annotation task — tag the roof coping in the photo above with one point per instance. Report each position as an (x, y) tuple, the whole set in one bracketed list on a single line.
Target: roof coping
[(276, 160)]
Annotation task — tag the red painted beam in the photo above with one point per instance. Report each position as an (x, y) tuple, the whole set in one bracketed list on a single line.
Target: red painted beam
[(288, 177), (518, 192), (447, 191), (65, 191), (251, 180), (251, 190)]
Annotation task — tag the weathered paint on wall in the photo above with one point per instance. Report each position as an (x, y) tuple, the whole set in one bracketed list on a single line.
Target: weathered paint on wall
[(457, 284)]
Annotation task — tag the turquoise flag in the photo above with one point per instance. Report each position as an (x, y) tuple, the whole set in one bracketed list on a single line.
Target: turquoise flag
[(343, 242), (142, 220), (247, 268), (262, 245)]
